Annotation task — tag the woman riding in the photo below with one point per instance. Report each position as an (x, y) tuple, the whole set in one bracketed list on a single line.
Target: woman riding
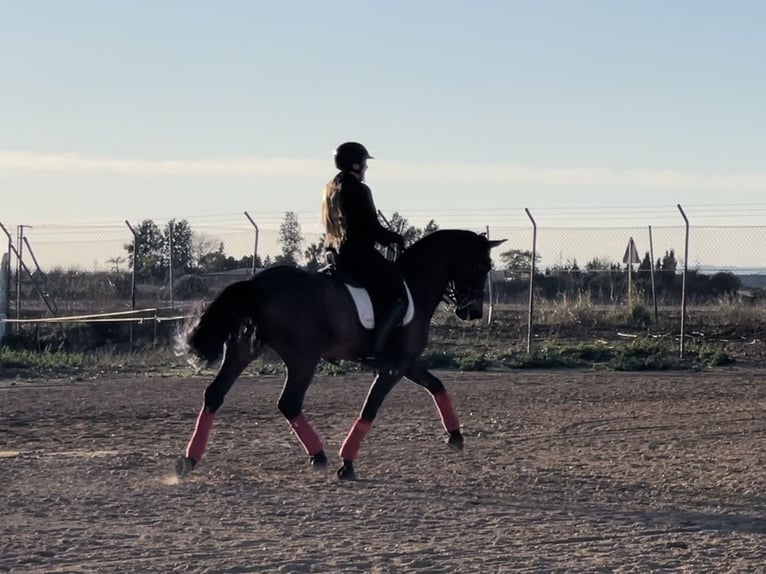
[(352, 228)]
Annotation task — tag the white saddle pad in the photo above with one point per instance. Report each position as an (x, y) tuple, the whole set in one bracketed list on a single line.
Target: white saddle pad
[(364, 306)]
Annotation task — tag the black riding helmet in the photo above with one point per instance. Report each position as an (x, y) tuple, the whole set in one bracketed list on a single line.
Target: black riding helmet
[(350, 154)]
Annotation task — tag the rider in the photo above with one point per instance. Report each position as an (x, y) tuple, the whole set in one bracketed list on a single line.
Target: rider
[(352, 228)]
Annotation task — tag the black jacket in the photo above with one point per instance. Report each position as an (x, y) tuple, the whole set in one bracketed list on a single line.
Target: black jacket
[(363, 229)]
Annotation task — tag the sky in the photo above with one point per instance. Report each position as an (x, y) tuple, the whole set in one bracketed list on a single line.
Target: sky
[(586, 112)]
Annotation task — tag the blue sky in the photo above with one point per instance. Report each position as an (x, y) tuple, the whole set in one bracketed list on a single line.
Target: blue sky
[(133, 110)]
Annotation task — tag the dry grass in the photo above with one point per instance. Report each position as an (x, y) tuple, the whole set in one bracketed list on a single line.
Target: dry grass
[(572, 333)]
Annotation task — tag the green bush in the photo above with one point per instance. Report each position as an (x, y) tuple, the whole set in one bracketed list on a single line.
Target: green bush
[(190, 287), (640, 316), (438, 359), (473, 362), (709, 357)]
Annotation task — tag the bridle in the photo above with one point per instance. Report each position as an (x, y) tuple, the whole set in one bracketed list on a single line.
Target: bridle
[(460, 299)]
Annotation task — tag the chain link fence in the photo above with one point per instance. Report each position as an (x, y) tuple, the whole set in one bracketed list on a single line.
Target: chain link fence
[(82, 273)]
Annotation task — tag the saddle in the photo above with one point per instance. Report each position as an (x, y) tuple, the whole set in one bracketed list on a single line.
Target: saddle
[(335, 268)]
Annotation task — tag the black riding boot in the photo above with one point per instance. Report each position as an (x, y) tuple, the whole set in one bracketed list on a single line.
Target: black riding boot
[(388, 321)]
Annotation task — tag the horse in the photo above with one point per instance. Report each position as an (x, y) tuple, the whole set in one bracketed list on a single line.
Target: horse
[(306, 316)]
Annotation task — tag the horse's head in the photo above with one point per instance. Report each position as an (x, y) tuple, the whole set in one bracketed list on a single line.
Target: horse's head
[(472, 263)]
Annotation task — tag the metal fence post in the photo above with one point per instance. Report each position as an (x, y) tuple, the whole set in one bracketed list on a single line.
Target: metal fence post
[(683, 282), (491, 291), (23, 267), (19, 265), (133, 277), (651, 271), (5, 296), (531, 282), (171, 261), (10, 256), (255, 245), (45, 294)]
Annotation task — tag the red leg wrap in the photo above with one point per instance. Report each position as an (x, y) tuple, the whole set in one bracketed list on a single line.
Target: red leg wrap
[(446, 411), (306, 434), (350, 448), (198, 442)]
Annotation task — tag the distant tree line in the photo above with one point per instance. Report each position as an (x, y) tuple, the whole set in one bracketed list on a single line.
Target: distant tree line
[(599, 280), (194, 253), (603, 281)]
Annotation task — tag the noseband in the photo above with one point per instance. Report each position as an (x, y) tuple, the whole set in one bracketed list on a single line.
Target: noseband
[(460, 299)]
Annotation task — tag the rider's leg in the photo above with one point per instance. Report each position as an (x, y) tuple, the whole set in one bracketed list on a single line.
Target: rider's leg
[(389, 320), (388, 288), (384, 283)]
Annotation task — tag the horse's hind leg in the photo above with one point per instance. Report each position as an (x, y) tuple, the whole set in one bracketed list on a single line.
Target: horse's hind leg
[(423, 377), (380, 387), (300, 372), (237, 356)]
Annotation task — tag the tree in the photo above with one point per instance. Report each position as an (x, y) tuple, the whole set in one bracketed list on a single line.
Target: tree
[(569, 266), (669, 261), (290, 239), (217, 260), (409, 232), (209, 256), (212, 260), (430, 227), (646, 264), (314, 254), (518, 260), (247, 261), (602, 279), (667, 268), (182, 236), (204, 248), (598, 264), (145, 252)]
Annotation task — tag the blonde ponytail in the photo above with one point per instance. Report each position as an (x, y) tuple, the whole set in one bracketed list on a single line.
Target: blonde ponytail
[(332, 215)]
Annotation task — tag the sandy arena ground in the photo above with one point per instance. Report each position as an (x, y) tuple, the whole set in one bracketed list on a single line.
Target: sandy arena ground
[(563, 471)]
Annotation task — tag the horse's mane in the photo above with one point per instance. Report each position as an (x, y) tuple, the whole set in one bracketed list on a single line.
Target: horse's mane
[(440, 241)]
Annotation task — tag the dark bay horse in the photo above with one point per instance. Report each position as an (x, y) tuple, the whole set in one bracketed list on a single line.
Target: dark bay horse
[(306, 316)]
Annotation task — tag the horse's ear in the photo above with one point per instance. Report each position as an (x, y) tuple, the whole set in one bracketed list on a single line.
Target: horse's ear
[(496, 242)]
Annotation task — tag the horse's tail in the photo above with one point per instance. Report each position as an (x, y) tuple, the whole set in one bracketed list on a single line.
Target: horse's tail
[(223, 317)]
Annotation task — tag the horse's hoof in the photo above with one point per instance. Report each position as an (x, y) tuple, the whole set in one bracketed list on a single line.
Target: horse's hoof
[(455, 440), (346, 472), (184, 465), (318, 460)]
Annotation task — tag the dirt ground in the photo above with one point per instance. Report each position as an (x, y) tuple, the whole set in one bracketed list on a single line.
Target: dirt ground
[(563, 471)]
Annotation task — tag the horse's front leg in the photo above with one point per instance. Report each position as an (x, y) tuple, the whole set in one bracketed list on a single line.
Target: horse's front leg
[(237, 355), (380, 387), (423, 377)]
